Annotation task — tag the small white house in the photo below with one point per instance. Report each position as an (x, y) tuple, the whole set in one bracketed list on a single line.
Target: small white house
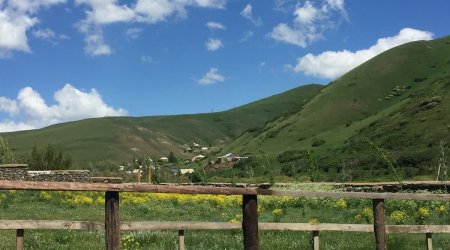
[(198, 157), (204, 148), (164, 159), (184, 171), (196, 145)]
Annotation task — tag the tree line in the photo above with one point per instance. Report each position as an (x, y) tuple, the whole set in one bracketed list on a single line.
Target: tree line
[(49, 158)]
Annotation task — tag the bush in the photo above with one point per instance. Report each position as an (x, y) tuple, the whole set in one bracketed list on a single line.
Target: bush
[(317, 142)]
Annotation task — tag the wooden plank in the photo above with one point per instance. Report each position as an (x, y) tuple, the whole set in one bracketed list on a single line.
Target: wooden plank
[(132, 187), (429, 241), (315, 240), (181, 240), (316, 227), (379, 226), (250, 222), (418, 229), (51, 224), (193, 225), (364, 195), (177, 225), (112, 227), (20, 239), (125, 187)]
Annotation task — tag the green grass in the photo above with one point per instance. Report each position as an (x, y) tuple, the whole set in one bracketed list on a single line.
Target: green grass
[(35, 205)]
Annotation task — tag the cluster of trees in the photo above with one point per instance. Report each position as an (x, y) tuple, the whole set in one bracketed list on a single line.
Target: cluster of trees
[(49, 159)]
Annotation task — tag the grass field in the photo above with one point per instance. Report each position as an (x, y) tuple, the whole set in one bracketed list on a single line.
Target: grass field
[(172, 207)]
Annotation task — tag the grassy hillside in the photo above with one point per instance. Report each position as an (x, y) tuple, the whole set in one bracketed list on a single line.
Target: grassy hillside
[(385, 100), (121, 138)]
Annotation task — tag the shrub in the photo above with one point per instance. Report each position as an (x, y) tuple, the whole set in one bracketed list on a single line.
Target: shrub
[(317, 142)]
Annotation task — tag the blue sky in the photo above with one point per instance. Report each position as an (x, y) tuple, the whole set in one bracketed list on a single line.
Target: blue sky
[(63, 60)]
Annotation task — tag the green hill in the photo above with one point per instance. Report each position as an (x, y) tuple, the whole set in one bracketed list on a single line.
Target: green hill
[(121, 138), (399, 99)]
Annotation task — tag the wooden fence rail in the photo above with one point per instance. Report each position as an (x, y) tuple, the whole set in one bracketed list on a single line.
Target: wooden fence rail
[(181, 226), (250, 225)]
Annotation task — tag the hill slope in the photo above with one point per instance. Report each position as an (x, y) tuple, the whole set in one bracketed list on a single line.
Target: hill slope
[(121, 138), (384, 99)]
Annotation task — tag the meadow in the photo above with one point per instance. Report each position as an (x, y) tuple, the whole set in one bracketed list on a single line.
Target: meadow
[(88, 206)]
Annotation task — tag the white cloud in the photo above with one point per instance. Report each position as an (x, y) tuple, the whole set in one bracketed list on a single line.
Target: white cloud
[(31, 111), (13, 28), (213, 44), (218, 4), (215, 25), (95, 44), (49, 35), (332, 64), (212, 76), (9, 106), (133, 33), (310, 22), (247, 13), (106, 12), (16, 18)]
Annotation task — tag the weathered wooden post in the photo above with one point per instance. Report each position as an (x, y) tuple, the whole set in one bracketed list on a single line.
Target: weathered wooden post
[(250, 222), (112, 222), (19, 239), (181, 240), (315, 240), (429, 238), (379, 226)]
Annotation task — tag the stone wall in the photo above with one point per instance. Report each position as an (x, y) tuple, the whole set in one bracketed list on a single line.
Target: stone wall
[(19, 172), (60, 176), (111, 180), (13, 172)]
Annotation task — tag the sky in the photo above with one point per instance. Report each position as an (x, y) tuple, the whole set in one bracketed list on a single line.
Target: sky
[(65, 60)]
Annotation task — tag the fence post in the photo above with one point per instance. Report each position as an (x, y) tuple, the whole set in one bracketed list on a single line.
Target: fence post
[(379, 225), (250, 222), (429, 238), (112, 223), (181, 240), (19, 239), (315, 239)]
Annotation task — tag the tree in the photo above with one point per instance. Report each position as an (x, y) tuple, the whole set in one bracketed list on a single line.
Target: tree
[(48, 159), (172, 158), (6, 154)]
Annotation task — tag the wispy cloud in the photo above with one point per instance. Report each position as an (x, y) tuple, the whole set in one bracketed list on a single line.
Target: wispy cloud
[(332, 64), (133, 33), (247, 13), (215, 25), (212, 76), (310, 22), (213, 44)]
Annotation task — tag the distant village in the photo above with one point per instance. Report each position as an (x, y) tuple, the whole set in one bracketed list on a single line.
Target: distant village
[(181, 167)]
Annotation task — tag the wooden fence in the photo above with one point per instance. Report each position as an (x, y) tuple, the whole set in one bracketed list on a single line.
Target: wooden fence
[(250, 226)]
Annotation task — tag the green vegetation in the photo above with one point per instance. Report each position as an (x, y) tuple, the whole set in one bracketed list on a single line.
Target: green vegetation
[(6, 155), (50, 159), (175, 207)]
